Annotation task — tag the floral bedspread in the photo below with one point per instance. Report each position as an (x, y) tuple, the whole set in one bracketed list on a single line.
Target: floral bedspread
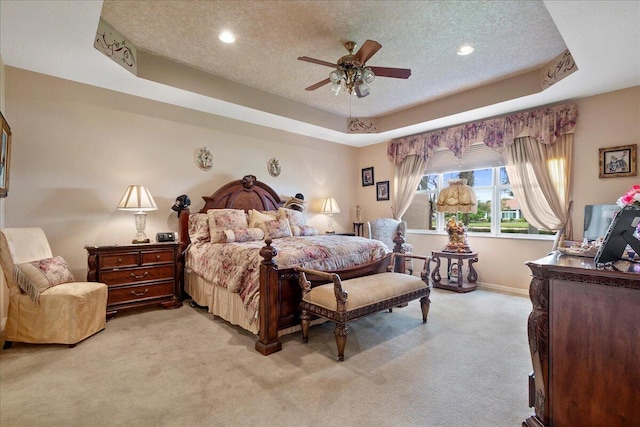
[(236, 266)]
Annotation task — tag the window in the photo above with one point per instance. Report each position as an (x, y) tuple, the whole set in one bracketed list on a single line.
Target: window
[(498, 210)]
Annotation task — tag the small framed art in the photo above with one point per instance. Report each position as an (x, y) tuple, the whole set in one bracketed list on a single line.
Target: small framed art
[(367, 176), (382, 190), (5, 157), (619, 161)]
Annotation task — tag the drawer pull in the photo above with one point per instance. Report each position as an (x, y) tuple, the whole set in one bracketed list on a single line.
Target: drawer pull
[(139, 294), (119, 259), (157, 256), (146, 273)]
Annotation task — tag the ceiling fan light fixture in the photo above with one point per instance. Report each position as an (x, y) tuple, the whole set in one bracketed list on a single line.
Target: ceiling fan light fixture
[(336, 76), (336, 88), (362, 89), (368, 76), (465, 49)]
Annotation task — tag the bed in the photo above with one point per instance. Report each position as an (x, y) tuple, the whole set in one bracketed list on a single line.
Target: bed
[(252, 283)]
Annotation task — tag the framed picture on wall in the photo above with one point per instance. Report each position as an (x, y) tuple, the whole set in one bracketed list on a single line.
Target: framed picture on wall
[(619, 161), (382, 190), (367, 176), (5, 157)]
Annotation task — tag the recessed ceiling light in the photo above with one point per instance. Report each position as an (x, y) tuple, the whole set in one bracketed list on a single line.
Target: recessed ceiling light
[(226, 37), (465, 49)]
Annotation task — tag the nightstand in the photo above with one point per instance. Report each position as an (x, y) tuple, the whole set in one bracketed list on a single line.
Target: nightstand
[(137, 275), (455, 266)]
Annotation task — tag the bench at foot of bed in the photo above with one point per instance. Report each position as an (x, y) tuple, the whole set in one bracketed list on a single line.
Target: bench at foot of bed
[(343, 301)]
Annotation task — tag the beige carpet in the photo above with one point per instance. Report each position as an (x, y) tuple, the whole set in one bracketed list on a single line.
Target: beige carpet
[(467, 366)]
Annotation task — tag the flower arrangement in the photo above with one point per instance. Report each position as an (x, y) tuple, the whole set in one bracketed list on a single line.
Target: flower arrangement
[(631, 198)]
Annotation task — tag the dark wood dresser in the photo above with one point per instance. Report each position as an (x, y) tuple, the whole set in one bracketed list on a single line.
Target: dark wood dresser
[(584, 336), (137, 275)]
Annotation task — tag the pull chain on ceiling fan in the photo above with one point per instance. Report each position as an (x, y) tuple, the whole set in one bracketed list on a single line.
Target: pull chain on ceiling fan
[(351, 72)]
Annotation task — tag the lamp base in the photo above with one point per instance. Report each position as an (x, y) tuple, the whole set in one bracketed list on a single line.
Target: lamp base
[(457, 237), (136, 241)]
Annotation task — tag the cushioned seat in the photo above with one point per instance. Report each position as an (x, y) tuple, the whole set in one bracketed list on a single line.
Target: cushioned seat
[(342, 301), (386, 230), (65, 313)]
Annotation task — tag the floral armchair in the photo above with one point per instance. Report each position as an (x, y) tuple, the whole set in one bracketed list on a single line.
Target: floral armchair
[(46, 304), (385, 230)]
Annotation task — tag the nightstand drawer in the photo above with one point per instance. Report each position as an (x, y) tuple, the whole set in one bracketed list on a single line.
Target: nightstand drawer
[(157, 257), (138, 275), (121, 260), (134, 275), (140, 292)]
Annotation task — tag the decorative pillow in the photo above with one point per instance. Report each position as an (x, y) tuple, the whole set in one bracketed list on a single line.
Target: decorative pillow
[(217, 235), (257, 219), (244, 235), (304, 230), (224, 219), (199, 227), (278, 228), (227, 218), (295, 217), (38, 276)]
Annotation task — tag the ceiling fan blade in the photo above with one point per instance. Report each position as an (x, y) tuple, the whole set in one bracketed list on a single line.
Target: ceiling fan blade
[(368, 49), (319, 84), (317, 61), (398, 73)]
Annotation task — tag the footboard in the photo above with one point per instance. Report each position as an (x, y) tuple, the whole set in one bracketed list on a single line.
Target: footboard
[(280, 296)]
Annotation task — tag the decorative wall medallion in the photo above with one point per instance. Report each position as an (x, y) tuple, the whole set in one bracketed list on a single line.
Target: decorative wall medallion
[(363, 125), (204, 158), (113, 44), (559, 68), (273, 167)]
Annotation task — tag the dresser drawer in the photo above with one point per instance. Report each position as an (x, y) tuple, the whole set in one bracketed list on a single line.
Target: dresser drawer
[(121, 260), (140, 292), (157, 257), (135, 275)]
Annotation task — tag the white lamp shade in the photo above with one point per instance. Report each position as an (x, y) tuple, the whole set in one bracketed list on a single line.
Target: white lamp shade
[(137, 198), (330, 206)]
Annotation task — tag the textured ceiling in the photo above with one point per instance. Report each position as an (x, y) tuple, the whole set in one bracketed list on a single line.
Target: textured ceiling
[(259, 80), (510, 38)]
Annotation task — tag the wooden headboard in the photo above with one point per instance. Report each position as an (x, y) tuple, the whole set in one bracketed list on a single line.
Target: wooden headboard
[(246, 194)]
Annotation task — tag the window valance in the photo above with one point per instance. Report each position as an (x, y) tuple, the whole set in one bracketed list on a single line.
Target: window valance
[(544, 124)]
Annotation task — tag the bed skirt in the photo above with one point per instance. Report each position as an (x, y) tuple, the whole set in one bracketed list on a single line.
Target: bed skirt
[(226, 305)]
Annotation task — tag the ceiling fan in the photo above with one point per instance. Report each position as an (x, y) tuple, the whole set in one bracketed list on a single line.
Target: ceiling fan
[(351, 72)]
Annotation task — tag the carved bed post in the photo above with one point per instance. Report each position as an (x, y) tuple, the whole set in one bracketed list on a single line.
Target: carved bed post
[(268, 308), (400, 248), (183, 238), (538, 330)]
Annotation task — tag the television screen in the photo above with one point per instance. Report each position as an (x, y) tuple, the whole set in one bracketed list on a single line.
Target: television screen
[(620, 234)]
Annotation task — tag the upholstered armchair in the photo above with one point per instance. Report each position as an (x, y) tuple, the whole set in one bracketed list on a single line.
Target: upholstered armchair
[(385, 230), (46, 306)]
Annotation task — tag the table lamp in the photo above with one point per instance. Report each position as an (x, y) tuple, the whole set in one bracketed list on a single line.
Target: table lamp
[(330, 207), (457, 197), (138, 198)]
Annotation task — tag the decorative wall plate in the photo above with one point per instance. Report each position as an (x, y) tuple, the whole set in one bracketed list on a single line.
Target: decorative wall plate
[(204, 158), (273, 167)]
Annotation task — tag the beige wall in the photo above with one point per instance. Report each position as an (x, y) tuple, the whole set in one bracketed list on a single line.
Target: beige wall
[(76, 148), (605, 120)]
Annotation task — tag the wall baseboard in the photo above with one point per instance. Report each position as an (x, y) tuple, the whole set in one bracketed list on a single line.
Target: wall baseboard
[(504, 289)]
